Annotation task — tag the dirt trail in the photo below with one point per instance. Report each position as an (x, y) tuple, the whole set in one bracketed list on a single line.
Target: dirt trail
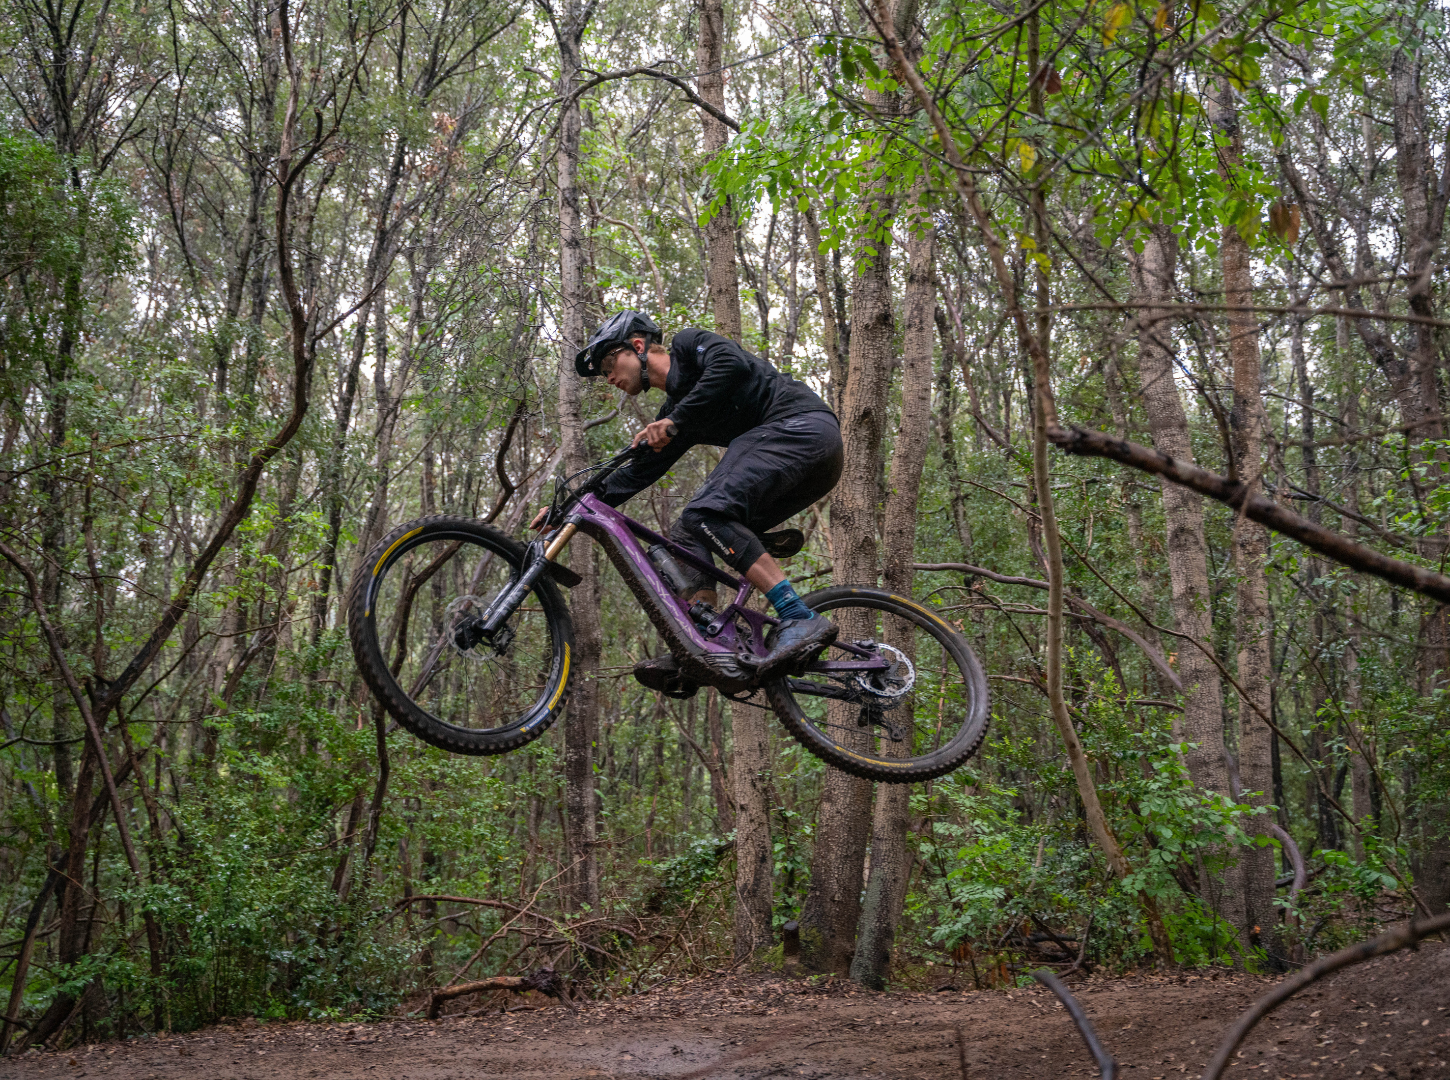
[(1388, 1018)]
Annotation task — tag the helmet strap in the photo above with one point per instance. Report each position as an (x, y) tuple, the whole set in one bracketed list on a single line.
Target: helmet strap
[(643, 355)]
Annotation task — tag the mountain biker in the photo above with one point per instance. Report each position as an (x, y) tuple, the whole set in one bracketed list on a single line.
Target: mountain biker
[(783, 453)]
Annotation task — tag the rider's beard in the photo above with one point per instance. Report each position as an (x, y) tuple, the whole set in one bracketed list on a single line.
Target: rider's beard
[(635, 386)]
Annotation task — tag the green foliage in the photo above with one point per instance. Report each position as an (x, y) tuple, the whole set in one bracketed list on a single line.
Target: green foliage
[(1007, 864), (681, 878), (57, 223)]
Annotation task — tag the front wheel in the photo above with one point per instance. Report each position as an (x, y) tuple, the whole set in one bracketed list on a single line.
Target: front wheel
[(409, 618), (923, 718)]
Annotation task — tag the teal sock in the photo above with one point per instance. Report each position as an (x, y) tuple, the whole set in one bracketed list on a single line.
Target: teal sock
[(787, 604)]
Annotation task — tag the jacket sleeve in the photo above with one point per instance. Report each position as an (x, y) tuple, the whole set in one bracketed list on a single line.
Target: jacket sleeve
[(723, 369), (643, 471)]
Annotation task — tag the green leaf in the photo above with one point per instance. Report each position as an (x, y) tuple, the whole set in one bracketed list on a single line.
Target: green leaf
[(1116, 18)]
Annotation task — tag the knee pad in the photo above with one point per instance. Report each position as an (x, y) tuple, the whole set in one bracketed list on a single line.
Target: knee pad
[(732, 541)]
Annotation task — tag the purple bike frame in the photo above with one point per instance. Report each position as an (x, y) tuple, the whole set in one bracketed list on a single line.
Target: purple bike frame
[(620, 537)]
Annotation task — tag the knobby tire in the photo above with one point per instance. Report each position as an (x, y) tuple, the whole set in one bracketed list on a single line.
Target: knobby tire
[(970, 684), (474, 538)]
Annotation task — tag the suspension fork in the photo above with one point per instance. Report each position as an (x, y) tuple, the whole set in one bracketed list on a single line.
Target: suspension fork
[(538, 557), (560, 540)]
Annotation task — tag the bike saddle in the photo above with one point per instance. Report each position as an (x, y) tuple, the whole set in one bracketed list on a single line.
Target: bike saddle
[(783, 543)]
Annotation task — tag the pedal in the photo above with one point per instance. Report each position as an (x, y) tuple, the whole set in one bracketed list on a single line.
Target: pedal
[(662, 674), (803, 665)]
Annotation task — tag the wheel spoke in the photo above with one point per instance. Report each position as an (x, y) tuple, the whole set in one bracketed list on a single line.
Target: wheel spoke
[(920, 715), (430, 591)]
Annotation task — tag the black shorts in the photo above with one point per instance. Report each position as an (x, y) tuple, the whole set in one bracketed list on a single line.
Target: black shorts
[(767, 475)]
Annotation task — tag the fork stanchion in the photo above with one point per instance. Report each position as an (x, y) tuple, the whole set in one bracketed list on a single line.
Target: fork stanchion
[(556, 545)]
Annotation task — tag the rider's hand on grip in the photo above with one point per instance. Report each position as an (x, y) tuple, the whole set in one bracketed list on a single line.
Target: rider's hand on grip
[(657, 434), (540, 518)]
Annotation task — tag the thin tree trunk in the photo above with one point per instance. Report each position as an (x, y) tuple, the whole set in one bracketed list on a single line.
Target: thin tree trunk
[(1425, 199), (720, 274), (750, 763), (1319, 688), (582, 720), (952, 353), (1360, 749), (890, 857), (830, 333), (719, 778), (1251, 552), (833, 904), (1133, 512), (1201, 724), (754, 856)]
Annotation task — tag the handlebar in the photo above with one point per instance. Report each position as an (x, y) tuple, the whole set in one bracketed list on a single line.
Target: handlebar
[(563, 495)]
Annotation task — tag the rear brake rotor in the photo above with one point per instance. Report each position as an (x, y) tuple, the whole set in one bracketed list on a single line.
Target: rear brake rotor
[(898, 678)]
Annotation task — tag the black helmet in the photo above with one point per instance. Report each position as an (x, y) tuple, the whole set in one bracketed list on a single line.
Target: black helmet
[(616, 331)]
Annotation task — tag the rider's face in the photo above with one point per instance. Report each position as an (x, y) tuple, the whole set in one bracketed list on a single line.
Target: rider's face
[(622, 371)]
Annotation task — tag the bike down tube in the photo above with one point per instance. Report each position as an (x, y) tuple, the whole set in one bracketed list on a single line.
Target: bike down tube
[(617, 533), (726, 616)]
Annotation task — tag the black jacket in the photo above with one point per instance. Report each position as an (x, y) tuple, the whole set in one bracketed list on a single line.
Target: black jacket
[(716, 392)]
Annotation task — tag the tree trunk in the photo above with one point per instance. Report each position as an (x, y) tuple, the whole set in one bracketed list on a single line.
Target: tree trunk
[(1425, 198), (1201, 724), (833, 904), (719, 778), (1133, 512), (890, 856), (1320, 685), (1361, 752), (754, 857), (952, 353), (830, 333), (582, 720), (720, 272), (1250, 552)]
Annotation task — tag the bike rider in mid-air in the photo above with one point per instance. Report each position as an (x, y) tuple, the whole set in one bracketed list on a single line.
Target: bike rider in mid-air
[(783, 454)]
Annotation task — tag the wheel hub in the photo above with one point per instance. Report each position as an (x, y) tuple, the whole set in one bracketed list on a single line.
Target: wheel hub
[(463, 629)]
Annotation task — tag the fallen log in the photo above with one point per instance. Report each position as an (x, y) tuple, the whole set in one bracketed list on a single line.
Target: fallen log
[(546, 981)]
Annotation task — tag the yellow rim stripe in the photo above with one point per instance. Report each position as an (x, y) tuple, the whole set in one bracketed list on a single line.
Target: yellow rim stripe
[(934, 617), (563, 680), (393, 548), (884, 762)]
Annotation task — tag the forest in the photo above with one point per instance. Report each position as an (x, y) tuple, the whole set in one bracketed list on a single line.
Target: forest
[(1132, 312)]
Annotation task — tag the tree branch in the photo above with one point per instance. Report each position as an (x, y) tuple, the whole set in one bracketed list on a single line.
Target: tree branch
[(1265, 511), (1400, 937), (655, 73)]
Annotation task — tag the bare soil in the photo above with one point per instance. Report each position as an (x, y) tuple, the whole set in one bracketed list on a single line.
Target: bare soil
[(1387, 1018)]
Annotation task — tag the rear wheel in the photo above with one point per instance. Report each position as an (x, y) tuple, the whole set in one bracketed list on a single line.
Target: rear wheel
[(922, 718), (421, 584)]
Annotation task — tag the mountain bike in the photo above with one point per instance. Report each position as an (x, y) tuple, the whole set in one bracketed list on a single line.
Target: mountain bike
[(462, 633)]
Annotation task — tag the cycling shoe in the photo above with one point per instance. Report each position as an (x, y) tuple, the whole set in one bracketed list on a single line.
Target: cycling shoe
[(783, 543), (793, 642)]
